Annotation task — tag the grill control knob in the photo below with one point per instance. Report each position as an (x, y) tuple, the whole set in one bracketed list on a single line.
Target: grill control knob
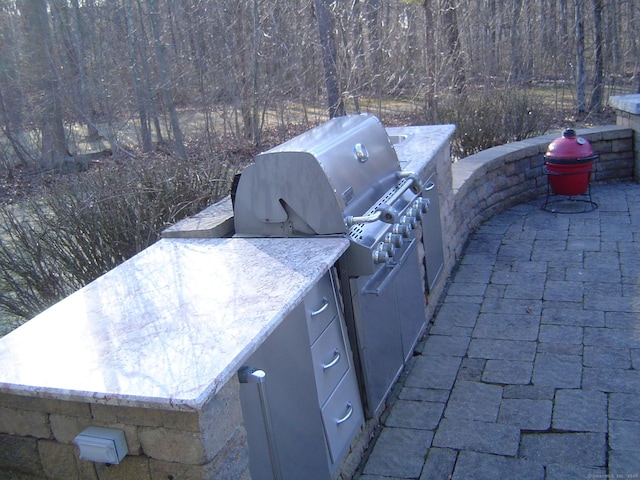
[(422, 204), (401, 229), (413, 212), (387, 247), (380, 257), (406, 220), (394, 239)]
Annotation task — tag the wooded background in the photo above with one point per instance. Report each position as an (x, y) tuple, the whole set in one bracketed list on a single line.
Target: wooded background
[(128, 75)]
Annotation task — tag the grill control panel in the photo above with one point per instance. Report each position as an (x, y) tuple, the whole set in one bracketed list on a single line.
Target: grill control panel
[(385, 230), (400, 233)]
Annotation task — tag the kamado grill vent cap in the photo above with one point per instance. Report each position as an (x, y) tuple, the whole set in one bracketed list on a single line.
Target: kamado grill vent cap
[(570, 147)]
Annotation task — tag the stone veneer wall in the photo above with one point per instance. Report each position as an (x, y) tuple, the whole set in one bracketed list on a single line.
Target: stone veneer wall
[(36, 440), (36, 435), (498, 178), (630, 120)]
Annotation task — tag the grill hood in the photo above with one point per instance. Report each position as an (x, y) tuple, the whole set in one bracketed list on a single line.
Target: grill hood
[(309, 184)]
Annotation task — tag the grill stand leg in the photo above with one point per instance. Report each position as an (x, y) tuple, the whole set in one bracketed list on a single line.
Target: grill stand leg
[(568, 201)]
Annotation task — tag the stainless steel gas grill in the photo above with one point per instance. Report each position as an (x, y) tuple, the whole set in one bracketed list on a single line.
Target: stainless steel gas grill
[(344, 178)]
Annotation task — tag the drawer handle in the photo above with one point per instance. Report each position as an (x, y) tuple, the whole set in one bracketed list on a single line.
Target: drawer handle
[(325, 305), (334, 360), (347, 416)]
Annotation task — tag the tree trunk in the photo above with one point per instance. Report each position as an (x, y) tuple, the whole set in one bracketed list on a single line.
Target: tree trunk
[(598, 77), (430, 64), (581, 75), (8, 132), (566, 44), (372, 14), (495, 38), (41, 65), (254, 75), (452, 35), (515, 73), (80, 59), (154, 19), (245, 63), (10, 92), (329, 57), (147, 79), (143, 113)]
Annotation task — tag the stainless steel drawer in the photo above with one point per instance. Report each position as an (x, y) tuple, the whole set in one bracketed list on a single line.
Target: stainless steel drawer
[(342, 416), (330, 360), (320, 307)]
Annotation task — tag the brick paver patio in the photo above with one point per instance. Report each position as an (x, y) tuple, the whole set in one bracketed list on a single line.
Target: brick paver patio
[(531, 368)]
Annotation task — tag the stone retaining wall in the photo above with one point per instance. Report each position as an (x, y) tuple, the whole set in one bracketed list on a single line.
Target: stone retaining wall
[(36, 440), (632, 121), (493, 180)]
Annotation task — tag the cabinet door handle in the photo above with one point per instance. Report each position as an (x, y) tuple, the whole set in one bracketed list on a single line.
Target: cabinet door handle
[(347, 415), (325, 305), (334, 360), (248, 374)]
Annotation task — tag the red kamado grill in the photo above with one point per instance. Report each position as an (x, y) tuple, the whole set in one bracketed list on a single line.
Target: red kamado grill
[(568, 165), (569, 162)]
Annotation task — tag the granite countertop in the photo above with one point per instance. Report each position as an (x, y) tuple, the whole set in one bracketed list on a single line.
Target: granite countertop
[(626, 103), (416, 145), (168, 327), (215, 221)]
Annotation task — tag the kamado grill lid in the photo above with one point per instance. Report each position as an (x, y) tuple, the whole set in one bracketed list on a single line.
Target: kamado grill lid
[(569, 147)]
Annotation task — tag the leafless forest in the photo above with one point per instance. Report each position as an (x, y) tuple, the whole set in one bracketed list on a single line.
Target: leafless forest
[(182, 93), (128, 75)]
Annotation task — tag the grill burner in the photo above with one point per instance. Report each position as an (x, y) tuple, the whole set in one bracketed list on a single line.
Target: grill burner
[(344, 178)]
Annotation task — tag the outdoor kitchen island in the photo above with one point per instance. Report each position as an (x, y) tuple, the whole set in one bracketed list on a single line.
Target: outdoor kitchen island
[(153, 348), (162, 348)]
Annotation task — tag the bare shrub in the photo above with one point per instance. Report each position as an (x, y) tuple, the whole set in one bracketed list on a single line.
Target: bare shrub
[(485, 118), (83, 225)]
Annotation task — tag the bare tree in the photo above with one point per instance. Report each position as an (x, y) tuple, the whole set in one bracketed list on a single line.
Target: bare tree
[(10, 92), (155, 20), (516, 70), (581, 74), (598, 77), (39, 61), (255, 133), (80, 56), (452, 40), (241, 64), (430, 60), (139, 93), (326, 29), (148, 82)]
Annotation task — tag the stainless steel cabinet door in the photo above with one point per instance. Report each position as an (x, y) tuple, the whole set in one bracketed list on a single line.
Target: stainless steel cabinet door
[(432, 234)]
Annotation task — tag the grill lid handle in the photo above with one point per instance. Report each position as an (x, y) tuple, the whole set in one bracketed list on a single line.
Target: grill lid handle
[(385, 212), (351, 220)]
